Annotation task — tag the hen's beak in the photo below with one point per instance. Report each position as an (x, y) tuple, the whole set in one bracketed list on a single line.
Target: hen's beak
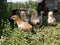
[(10, 17)]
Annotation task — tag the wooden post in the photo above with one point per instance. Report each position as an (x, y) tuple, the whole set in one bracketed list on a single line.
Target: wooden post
[(42, 7), (55, 5), (59, 6)]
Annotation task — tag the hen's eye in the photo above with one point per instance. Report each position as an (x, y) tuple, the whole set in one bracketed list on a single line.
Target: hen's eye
[(13, 17)]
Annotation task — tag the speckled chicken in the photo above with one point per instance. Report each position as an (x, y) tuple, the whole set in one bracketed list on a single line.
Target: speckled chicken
[(34, 19), (23, 16)]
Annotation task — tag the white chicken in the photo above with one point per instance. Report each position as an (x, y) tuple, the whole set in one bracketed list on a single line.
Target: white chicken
[(51, 19)]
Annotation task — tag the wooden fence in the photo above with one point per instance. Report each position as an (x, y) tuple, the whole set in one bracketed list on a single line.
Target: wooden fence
[(53, 5)]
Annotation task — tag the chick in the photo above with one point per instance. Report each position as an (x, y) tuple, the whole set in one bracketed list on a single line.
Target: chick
[(21, 24), (34, 20), (23, 16), (40, 17), (51, 19)]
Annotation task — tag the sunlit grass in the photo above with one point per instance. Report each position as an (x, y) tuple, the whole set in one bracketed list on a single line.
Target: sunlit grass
[(45, 35)]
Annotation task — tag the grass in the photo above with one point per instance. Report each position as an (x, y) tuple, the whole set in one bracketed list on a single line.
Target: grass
[(45, 35)]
